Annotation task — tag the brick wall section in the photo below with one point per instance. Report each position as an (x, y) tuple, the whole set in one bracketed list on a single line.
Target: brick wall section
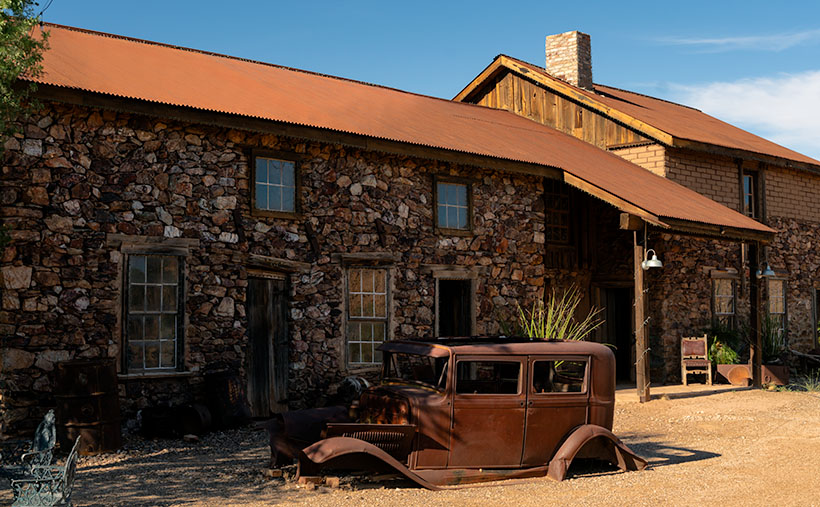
[(569, 57), (714, 176), (74, 176), (649, 156), (792, 194)]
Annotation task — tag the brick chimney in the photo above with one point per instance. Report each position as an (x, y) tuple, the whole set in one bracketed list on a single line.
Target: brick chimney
[(569, 57)]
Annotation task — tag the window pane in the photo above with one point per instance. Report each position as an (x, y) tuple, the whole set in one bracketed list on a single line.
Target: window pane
[(558, 376), (367, 352), (354, 353), (136, 273), (442, 216), (136, 298), (487, 377), (381, 280), (167, 354), (151, 327), (153, 293), (261, 170), (275, 198), (135, 356), (368, 305), (723, 287), (152, 354), (261, 196), (441, 193), (724, 305), (134, 331), (378, 332), (355, 277), (367, 280), (367, 331), (288, 199), (169, 298), (460, 192), (462, 218), (154, 269), (356, 305), (288, 171), (452, 217), (354, 332), (167, 329), (381, 306), (170, 270)]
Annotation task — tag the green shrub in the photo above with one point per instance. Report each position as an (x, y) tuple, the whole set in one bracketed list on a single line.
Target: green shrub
[(556, 319), (723, 354)]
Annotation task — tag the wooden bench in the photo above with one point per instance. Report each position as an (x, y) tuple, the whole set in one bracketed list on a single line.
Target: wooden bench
[(48, 485), (19, 462)]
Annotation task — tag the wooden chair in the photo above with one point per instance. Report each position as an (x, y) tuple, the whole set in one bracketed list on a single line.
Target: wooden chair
[(694, 358)]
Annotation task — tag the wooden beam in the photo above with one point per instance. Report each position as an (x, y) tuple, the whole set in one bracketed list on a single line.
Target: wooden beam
[(612, 199), (631, 222), (641, 338), (278, 263), (756, 342)]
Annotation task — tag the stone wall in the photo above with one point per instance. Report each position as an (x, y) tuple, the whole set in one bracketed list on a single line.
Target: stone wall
[(77, 182)]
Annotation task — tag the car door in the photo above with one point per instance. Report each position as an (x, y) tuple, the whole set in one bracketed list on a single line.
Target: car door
[(487, 425), (557, 402)]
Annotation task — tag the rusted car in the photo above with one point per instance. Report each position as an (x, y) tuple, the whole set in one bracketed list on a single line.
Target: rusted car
[(452, 412)]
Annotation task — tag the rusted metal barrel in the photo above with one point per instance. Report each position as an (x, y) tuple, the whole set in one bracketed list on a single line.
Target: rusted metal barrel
[(88, 405)]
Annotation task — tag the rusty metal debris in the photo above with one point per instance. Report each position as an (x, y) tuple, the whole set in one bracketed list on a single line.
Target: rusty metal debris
[(451, 413)]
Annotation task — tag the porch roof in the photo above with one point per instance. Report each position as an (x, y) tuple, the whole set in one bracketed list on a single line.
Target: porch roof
[(119, 67)]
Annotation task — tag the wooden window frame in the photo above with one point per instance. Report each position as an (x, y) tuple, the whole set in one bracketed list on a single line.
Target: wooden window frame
[(548, 210), (785, 314), (754, 193), (297, 179), (715, 316), (386, 320), (449, 231), (179, 365)]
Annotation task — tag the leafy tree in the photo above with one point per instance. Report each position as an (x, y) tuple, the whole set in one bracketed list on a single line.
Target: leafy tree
[(22, 43)]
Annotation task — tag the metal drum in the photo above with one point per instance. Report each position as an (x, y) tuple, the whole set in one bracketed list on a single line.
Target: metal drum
[(88, 405)]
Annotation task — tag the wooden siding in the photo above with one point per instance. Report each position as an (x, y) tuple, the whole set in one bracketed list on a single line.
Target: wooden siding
[(526, 98)]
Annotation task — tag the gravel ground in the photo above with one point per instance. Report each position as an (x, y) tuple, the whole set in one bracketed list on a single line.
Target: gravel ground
[(733, 448)]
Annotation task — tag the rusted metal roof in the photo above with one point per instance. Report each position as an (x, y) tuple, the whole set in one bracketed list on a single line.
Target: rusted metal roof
[(147, 71), (679, 121)]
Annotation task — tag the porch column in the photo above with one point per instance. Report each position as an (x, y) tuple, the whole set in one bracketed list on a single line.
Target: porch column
[(756, 341), (641, 341)]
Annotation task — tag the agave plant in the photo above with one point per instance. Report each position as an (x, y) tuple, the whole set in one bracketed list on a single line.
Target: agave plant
[(556, 320)]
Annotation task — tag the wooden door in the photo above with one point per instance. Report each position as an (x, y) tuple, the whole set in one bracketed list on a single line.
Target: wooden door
[(268, 345)]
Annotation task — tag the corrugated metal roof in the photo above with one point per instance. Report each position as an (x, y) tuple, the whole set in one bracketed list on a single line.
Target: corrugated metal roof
[(680, 121), (123, 67)]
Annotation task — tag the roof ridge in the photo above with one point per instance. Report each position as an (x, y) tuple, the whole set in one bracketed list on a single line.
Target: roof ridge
[(599, 84), (249, 60)]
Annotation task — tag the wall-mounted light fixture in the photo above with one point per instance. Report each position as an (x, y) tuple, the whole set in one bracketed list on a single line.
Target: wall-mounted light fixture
[(766, 273), (654, 262)]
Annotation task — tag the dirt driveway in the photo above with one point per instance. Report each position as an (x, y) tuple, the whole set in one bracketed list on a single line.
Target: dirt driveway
[(734, 448)]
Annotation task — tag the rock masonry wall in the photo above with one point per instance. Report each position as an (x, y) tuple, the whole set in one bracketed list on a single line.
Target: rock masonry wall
[(78, 180)]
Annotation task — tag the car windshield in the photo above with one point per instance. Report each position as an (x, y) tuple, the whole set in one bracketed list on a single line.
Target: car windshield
[(417, 369)]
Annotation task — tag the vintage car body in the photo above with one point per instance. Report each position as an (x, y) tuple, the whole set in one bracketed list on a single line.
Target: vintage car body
[(451, 412)]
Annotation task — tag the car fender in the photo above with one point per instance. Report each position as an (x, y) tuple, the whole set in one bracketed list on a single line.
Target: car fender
[(346, 451), (604, 445)]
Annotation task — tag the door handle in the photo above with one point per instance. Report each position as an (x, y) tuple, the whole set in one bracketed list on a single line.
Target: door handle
[(529, 403), (520, 403)]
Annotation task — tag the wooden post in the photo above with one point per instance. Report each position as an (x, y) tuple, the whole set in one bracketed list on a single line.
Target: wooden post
[(756, 341), (641, 342)]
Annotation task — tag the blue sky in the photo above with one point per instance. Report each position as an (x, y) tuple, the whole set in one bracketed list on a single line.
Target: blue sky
[(754, 64)]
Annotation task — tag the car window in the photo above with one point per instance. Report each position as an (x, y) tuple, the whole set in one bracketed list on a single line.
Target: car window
[(488, 377), (558, 376)]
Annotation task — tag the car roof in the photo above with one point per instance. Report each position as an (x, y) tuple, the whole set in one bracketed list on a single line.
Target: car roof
[(494, 346)]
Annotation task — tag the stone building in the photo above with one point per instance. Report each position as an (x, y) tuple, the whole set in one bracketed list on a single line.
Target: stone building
[(185, 212), (703, 281)]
